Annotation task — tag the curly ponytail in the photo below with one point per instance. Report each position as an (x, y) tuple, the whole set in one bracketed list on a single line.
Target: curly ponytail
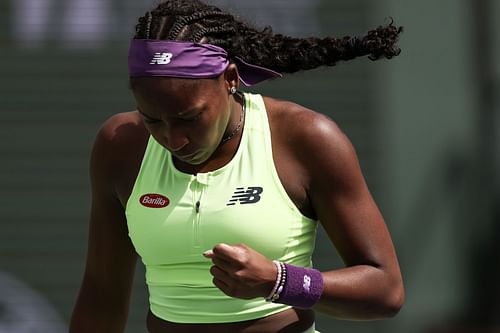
[(194, 21)]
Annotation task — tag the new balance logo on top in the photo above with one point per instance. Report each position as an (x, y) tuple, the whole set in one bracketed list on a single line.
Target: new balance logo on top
[(249, 196), (161, 58)]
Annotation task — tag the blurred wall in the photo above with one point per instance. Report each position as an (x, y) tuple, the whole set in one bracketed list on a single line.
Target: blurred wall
[(423, 126), (429, 133), (440, 139)]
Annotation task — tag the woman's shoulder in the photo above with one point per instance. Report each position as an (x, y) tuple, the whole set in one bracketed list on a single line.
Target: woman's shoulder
[(311, 139), (121, 127), (121, 134), (300, 124), (121, 138), (118, 150)]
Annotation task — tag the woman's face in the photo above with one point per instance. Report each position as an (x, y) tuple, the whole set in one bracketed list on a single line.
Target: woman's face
[(186, 116)]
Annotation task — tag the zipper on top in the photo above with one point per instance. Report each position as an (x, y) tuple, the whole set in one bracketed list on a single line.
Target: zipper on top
[(199, 189)]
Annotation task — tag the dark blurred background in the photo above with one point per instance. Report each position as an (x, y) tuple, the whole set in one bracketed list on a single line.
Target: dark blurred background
[(425, 125)]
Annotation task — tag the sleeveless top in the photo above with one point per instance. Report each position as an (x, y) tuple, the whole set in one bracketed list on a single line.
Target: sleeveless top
[(173, 217)]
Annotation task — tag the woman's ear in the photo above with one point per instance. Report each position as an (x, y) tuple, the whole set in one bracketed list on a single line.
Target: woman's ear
[(231, 77)]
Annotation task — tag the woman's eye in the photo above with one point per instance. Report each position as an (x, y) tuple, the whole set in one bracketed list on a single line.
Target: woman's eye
[(147, 119), (152, 121), (193, 118)]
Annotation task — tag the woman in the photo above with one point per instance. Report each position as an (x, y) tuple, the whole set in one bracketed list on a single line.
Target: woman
[(219, 192)]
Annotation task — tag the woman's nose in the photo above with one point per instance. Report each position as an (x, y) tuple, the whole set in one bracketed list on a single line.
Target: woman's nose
[(175, 139)]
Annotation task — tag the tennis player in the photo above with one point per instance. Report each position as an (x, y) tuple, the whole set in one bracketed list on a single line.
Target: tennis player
[(220, 192)]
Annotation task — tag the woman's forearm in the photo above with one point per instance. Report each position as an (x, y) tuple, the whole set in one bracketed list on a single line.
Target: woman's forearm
[(361, 292)]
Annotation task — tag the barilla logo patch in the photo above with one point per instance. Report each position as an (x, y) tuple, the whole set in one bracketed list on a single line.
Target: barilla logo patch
[(153, 200)]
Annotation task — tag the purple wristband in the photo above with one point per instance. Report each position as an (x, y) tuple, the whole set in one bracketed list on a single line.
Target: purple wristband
[(303, 287)]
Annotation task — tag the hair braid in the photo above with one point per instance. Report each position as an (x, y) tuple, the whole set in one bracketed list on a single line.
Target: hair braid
[(193, 20), (179, 24), (198, 35), (289, 55)]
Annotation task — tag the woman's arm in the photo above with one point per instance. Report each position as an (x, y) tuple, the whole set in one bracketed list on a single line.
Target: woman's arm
[(103, 301), (370, 286)]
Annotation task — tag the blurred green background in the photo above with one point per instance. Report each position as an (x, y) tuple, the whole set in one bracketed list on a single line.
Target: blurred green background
[(425, 125)]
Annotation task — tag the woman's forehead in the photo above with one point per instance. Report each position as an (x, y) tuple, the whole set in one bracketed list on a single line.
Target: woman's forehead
[(171, 85), (185, 94)]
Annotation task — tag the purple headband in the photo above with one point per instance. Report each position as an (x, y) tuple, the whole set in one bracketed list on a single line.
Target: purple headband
[(152, 57)]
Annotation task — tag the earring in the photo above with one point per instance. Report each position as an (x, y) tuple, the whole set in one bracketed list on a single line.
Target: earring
[(232, 91)]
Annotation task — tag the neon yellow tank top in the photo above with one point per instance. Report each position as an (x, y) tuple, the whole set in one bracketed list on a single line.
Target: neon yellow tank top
[(173, 217)]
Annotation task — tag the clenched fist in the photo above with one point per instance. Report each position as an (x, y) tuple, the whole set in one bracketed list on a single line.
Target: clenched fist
[(241, 272)]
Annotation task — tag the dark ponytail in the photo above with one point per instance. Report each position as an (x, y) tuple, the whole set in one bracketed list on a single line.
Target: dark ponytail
[(192, 20)]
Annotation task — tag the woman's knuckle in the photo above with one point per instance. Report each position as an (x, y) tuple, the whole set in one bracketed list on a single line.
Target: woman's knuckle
[(237, 274)]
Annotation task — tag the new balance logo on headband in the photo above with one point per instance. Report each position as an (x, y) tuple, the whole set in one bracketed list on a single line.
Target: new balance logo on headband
[(161, 58), (249, 196)]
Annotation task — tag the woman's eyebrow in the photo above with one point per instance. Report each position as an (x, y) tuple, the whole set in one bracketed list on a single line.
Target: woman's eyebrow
[(186, 113), (193, 110)]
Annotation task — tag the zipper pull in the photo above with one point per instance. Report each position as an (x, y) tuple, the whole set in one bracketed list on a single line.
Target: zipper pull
[(197, 206)]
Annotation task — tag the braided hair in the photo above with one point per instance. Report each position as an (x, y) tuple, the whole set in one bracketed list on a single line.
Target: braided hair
[(195, 21)]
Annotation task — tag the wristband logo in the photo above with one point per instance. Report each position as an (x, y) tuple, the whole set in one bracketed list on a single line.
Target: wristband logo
[(161, 58), (153, 200), (307, 283)]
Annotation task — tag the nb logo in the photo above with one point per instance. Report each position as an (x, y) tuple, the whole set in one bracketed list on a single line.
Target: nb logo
[(249, 196), (307, 283), (161, 58)]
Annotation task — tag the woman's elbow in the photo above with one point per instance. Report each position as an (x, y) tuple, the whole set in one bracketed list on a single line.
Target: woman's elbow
[(394, 300)]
